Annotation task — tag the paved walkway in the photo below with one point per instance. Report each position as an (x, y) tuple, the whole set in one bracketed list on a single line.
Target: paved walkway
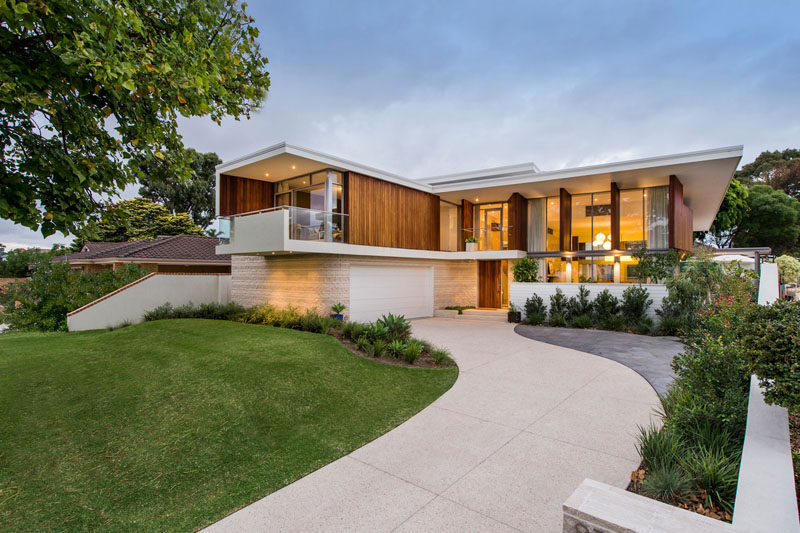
[(523, 425), (650, 357)]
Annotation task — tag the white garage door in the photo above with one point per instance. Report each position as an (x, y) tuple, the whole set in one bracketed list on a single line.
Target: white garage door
[(378, 290)]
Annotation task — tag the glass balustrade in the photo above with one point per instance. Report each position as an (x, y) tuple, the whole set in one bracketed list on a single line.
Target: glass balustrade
[(304, 224), (492, 237)]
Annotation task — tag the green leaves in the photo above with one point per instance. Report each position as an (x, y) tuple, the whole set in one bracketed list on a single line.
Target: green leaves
[(106, 75)]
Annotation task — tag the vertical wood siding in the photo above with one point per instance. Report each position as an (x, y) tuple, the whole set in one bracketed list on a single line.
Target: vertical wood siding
[(614, 216), (680, 217), (467, 221), (242, 195), (518, 220), (565, 219), (386, 214), (489, 289)]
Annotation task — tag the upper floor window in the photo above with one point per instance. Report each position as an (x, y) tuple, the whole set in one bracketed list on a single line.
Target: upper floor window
[(644, 218), (591, 221)]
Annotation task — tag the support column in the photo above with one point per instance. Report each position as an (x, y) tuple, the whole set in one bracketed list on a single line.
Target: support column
[(565, 219), (615, 244), (617, 270), (568, 271)]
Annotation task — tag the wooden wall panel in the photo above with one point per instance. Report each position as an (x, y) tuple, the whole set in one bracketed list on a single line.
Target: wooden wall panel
[(565, 219), (518, 220), (489, 284), (382, 213), (614, 216), (242, 195), (467, 221), (681, 236)]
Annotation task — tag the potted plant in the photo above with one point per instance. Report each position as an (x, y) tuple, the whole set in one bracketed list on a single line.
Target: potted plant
[(471, 243), (337, 311), (514, 314)]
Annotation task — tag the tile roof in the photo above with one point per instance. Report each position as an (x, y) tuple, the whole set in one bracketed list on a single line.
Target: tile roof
[(173, 248)]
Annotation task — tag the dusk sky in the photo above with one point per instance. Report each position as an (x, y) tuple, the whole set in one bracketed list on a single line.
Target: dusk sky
[(426, 88)]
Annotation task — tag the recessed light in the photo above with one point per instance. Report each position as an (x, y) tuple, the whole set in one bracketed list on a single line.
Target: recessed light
[(476, 199), (293, 167), (267, 174)]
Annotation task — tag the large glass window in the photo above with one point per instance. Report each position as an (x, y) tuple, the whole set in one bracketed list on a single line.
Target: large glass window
[(537, 225), (491, 228), (657, 217), (448, 227), (631, 219), (591, 221), (553, 224)]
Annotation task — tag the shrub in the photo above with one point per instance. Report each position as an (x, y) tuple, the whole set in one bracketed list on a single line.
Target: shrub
[(716, 472), (353, 330), (579, 304), (613, 323), (788, 268), (581, 322), (557, 320), (670, 326), (313, 322), (396, 349), (658, 447), (667, 484), (55, 289), (441, 357), (526, 270), (378, 348), (413, 351), (606, 305), (683, 302), (377, 331), (655, 266), (363, 344), (558, 304), (212, 311), (535, 310), (635, 303), (645, 326), (397, 327), (771, 345)]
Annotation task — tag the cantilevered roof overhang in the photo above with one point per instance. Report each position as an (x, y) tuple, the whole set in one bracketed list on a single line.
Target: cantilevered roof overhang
[(705, 176)]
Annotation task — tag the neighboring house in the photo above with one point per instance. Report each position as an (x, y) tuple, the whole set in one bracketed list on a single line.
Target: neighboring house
[(309, 230), (177, 253)]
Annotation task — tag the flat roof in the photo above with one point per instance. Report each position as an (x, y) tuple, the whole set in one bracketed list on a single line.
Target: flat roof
[(705, 175)]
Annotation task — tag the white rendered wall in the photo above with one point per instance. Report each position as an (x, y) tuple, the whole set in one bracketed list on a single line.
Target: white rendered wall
[(768, 285), (519, 292), (130, 303)]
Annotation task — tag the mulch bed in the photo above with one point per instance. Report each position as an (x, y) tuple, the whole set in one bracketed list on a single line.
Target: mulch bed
[(424, 361), (794, 439), (696, 503)]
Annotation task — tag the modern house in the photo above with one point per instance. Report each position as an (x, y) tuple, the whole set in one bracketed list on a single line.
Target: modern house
[(171, 254), (309, 229)]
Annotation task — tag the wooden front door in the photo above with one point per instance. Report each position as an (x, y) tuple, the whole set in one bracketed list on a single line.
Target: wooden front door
[(489, 284)]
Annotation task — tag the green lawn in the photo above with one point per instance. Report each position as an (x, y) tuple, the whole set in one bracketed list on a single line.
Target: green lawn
[(172, 425)]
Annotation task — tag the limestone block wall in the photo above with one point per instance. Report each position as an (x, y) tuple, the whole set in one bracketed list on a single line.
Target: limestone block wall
[(317, 281)]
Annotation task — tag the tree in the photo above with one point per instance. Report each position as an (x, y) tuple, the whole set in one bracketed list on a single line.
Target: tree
[(140, 219), (17, 263), (788, 268), (771, 168), (731, 212), (160, 183), (86, 85), (773, 220)]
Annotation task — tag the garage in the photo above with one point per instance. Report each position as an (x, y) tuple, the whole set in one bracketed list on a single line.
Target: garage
[(377, 290)]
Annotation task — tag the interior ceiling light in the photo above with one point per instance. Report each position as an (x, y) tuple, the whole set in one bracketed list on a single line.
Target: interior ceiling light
[(293, 167), (267, 174)]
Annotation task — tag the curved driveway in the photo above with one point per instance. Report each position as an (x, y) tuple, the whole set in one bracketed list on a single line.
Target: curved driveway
[(523, 425)]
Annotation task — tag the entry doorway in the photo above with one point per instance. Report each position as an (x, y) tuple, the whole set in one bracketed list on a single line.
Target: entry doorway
[(493, 284)]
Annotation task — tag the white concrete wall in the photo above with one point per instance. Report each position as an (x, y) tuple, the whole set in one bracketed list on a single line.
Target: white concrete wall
[(768, 284), (130, 303), (519, 292)]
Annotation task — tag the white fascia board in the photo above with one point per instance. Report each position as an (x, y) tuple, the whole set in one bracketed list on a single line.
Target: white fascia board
[(606, 168), (326, 159), (488, 173)]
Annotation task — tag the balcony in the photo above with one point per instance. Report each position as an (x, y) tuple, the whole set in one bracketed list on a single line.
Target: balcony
[(494, 237), (269, 230)]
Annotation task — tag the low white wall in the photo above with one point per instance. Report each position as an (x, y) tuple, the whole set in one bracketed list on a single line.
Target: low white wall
[(768, 285), (519, 292), (130, 303)]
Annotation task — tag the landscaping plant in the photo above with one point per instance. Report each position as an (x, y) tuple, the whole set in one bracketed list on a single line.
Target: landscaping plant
[(396, 349), (558, 305), (580, 304), (413, 351), (526, 270), (635, 303), (535, 310), (606, 311), (396, 326), (441, 356), (788, 268)]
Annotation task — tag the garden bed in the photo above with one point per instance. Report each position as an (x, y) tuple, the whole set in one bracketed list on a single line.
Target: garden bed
[(794, 438)]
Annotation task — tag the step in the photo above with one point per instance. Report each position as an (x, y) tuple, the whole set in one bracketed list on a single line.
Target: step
[(486, 312)]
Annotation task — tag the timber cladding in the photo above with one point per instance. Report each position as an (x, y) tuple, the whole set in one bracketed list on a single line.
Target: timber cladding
[(680, 218), (518, 220), (381, 213), (242, 195)]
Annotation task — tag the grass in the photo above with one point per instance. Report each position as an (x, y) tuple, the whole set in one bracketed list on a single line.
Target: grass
[(172, 425)]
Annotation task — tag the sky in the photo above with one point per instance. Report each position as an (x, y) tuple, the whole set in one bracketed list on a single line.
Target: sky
[(429, 87)]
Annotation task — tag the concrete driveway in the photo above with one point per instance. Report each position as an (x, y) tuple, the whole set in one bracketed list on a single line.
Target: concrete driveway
[(523, 425)]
